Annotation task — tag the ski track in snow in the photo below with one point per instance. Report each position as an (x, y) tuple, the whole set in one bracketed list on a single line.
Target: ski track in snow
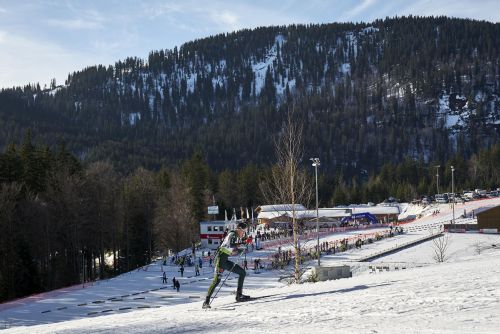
[(459, 296)]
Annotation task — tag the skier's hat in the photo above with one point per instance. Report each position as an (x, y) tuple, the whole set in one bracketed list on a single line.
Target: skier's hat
[(242, 225)]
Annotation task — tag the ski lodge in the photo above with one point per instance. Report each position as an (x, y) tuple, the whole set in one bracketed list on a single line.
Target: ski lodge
[(488, 220)]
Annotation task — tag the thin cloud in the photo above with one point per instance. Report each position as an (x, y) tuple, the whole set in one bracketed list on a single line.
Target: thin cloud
[(226, 20), (76, 24), (363, 6), (164, 9)]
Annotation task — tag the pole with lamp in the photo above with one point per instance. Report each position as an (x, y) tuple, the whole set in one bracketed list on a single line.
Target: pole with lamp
[(437, 178), (453, 192), (315, 164)]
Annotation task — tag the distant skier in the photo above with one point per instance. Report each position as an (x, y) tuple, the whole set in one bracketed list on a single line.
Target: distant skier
[(197, 270), (164, 278), (173, 282), (182, 271), (177, 285), (222, 262)]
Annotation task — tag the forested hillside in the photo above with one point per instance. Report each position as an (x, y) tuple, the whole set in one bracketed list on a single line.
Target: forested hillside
[(62, 223), (368, 94)]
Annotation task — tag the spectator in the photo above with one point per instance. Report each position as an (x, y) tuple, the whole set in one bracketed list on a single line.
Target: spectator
[(177, 285), (164, 278), (182, 270), (197, 270)]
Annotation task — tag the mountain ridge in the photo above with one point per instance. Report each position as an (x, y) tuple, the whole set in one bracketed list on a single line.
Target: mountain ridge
[(356, 88)]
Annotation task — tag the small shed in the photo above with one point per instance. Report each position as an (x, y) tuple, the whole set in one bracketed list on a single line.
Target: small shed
[(488, 219)]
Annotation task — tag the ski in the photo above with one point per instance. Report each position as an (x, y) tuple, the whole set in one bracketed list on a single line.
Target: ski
[(213, 309), (256, 298), (233, 304)]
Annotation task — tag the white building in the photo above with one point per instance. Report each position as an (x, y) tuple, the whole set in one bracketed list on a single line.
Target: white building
[(212, 232)]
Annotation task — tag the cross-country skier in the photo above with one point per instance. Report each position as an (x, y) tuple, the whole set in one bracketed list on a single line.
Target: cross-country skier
[(229, 247)]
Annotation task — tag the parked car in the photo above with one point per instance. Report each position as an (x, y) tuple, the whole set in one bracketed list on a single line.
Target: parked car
[(441, 198), (426, 200), (468, 195)]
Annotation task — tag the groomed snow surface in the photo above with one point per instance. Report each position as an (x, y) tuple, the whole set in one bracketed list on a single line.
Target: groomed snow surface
[(461, 295)]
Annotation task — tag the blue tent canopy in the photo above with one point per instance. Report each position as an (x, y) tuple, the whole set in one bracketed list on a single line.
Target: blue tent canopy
[(366, 215)]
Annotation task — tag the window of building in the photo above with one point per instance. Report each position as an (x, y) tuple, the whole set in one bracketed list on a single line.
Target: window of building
[(209, 228)]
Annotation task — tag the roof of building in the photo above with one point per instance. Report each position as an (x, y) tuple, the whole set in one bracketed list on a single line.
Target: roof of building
[(375, 210), (280, 207), (482, 210), (219, 222), (276, 214), (322, 213)]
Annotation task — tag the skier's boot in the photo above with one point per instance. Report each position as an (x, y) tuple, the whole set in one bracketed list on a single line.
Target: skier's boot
[(206, 303), (241, 297)]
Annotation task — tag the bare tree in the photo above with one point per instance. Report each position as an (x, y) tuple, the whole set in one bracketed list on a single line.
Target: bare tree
[(288, 183), (440, 247)]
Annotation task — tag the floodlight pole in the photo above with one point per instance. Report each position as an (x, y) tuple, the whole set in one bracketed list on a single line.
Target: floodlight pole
[(437, 178), (453, 192), (315, 164)]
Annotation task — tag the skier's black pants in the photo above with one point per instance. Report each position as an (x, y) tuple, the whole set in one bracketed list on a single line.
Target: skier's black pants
[(222, 262)]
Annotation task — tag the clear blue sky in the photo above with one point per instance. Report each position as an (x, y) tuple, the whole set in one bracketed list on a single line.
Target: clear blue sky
[(45, 39)]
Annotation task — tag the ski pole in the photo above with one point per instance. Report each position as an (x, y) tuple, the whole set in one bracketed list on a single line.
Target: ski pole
[(225, 279)]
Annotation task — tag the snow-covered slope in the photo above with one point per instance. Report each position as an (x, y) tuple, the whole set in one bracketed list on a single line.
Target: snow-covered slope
[(461, 295)]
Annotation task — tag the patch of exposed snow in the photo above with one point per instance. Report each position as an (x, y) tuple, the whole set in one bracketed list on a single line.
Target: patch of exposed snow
[(345, 68), (191, 82), (452, 120), (260, 68), (479, 96), (53, 92), (368, 30), (444, 104), (133, 118)]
